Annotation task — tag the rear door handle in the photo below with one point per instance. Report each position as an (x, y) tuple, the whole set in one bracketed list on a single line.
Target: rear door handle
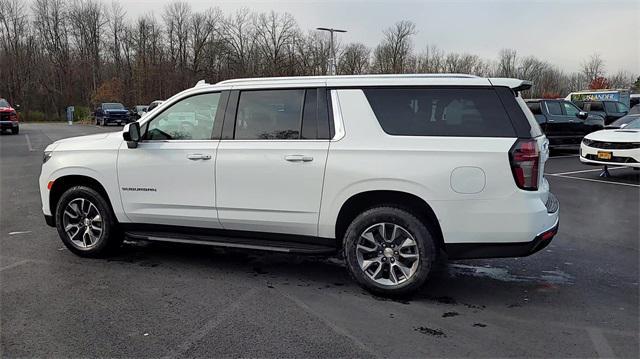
[(298, 158), (198, 156)]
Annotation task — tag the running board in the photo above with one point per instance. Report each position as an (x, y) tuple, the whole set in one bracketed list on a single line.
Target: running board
[(233, 242)]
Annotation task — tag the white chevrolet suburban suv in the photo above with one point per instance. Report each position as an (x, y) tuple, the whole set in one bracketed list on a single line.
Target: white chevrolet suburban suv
[(390, 169)]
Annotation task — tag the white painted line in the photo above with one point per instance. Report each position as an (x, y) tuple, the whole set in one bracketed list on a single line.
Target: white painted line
[(336, 329), (14, 265), (28, 142), (600, 343), (595, 180), (19, 232), (584, 171), (208, 328)]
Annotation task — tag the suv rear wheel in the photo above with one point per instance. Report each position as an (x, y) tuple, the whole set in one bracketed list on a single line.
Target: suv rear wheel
[(85, 223), (389, 251)]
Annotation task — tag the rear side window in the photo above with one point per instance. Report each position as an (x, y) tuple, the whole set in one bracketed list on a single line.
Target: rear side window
[(535, 108), (554, 108), (596, 106), (272, 114), (440, 112)]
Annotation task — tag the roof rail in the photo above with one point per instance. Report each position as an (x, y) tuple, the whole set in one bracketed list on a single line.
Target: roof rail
[(323, 78)]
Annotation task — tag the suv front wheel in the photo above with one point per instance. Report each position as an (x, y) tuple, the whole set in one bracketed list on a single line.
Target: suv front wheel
[(85, 223), (389, 251)]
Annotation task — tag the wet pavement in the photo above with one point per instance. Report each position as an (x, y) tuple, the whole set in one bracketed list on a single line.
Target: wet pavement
[(576, 298)]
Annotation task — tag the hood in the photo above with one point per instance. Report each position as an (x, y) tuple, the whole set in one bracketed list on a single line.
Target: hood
[(117, 111), (7, 109), (615, 135), (100, 141)]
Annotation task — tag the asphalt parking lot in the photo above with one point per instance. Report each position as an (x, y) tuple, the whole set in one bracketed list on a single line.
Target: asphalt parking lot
[(577, 298)]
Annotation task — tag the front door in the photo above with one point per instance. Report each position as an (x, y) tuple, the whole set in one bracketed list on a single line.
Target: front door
[(270, 171), (170, 177)]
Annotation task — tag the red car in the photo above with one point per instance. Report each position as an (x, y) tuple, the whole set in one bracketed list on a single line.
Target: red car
[(8, 117)]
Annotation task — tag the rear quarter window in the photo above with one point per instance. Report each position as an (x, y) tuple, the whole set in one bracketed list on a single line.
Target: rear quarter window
[(462, 112)]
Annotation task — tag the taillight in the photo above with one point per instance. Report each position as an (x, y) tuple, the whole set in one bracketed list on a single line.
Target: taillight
[(525, 161)]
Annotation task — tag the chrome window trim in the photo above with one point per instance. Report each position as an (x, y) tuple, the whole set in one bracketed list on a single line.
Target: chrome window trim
[(338, 124)]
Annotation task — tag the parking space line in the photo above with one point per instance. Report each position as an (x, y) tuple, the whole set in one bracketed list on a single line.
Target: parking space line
[(594, 180), (28, 142), (565, 156), (338, 330), (16, 264), (584, 171), (208, 327), (600, 343)]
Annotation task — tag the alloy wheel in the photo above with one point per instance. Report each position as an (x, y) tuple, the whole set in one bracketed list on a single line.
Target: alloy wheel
[(387, 253), (83, 223)]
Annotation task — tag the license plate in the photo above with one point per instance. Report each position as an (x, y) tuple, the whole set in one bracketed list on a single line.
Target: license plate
[(604, 155)]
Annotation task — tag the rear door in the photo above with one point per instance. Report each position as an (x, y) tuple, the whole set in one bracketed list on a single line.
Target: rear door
[(271, 160)]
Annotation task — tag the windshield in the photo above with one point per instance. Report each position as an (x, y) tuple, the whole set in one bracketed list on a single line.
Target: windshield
[(635, 125), (113, 106), (4, 103)]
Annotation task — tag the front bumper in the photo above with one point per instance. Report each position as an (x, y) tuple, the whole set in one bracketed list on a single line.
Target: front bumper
[(50, 220), (629, 158), (5, 125)]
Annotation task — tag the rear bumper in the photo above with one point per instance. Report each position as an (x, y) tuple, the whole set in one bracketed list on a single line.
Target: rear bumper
[(549, 221), (502, 250)]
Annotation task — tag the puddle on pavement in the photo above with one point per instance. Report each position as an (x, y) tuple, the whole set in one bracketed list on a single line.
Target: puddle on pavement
[(503, 274)]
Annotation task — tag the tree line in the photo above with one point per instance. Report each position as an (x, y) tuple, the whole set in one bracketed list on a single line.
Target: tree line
[(56, 53)]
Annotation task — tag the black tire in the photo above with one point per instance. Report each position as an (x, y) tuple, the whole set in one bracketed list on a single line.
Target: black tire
[(425, 243), (15, 130), (110, 237)]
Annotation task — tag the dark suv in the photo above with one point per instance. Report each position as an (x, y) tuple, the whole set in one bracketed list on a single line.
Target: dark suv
[(610, 110), (107, 113), (564, 123)]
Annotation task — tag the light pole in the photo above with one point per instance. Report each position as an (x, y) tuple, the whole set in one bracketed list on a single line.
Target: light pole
[(333, 50)]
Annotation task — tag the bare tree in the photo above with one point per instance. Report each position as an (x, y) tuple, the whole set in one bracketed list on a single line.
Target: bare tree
[(87, 22), (431, 60), (274, 34), (394, 54), (240, 41), (593, 67), (507, 63), (354, 59)]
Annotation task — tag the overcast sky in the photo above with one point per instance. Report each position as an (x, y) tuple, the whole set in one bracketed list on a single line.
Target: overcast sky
[(563, 32)]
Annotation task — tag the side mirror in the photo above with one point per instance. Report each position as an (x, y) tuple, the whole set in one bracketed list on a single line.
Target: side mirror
[(582, 115), (131, 134)]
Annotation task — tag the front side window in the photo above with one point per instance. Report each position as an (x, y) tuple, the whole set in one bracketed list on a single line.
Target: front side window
[(554, 108), (269, 114), (440, 112), (570, 109), (622, 107), (188, 119)]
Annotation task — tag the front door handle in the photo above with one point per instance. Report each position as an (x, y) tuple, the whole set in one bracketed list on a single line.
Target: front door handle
[(298, 158), (198, 156)]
